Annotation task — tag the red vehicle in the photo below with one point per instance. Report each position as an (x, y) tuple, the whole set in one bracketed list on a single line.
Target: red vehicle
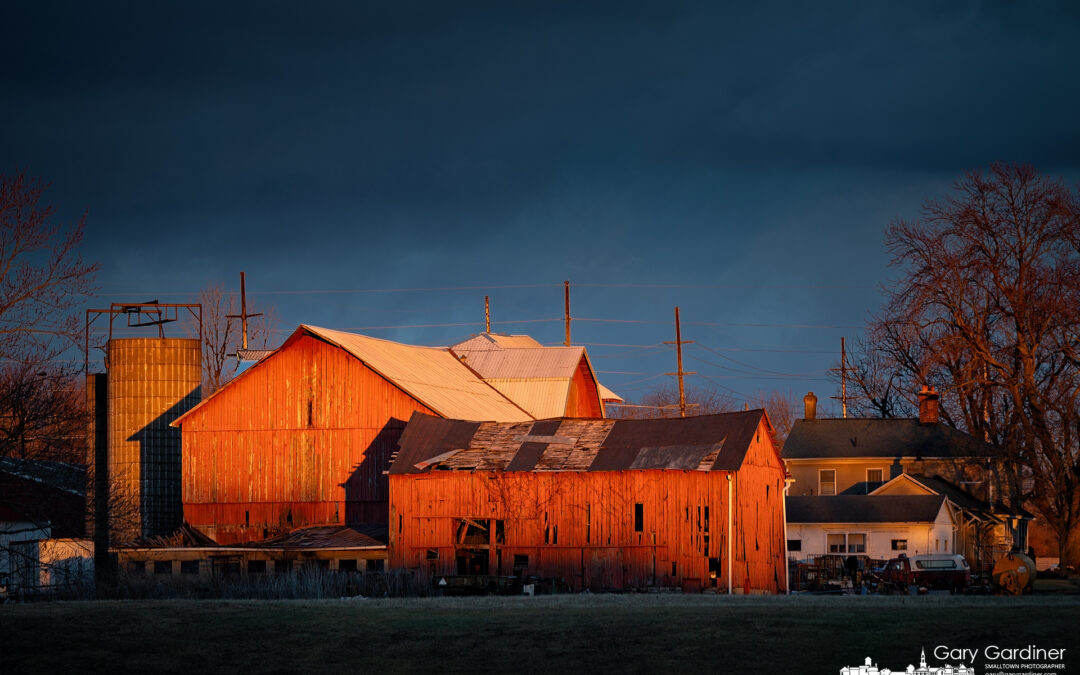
[(937, 571)]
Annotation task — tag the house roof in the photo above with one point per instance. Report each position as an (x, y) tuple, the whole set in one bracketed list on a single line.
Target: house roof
[(865, 509), (957, 495), (833, 438), (704, 443)]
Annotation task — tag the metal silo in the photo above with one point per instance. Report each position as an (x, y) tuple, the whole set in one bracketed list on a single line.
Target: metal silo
[(151, 382)]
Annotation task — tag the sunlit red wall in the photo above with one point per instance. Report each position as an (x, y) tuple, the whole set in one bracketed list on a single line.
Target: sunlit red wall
[(302, 438), (584, 398), (579, 526)]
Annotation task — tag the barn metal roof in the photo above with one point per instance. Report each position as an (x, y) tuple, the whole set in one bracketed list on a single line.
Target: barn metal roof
[(709, 442), (535, 377), (496, 340), (865, 509), (608, 395), (432, 375), (829, 438), (541, 397)]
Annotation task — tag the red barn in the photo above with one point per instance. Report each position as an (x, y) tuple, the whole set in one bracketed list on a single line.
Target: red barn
[(691, 502), (304, 437)]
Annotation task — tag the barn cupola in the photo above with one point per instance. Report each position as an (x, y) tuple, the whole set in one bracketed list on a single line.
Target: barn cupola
[(928, 406)]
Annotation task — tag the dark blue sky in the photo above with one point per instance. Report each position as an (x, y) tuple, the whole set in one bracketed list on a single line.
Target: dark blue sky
[(738, 161)]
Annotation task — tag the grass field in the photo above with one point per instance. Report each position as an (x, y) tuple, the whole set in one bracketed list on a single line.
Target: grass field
[(567, 634)]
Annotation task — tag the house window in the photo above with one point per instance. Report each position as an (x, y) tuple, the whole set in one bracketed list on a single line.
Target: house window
[(189, 567), (375, 565), (256, 567), (347, 565), (856, 543), (875, 476), (137, 566), (794, 544), (162, 567), (827, 482), (836, 543), (639, 517), (899, 544)]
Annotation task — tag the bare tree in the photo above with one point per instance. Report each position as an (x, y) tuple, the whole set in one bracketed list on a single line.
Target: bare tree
[(42, 426), (222, 335), (780, 410), (42, 276), (664, 402), (988, 310)]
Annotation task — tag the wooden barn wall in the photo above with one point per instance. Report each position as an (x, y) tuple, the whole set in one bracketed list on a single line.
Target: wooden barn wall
[(580, 526), (301, 439), (759, 542), (584, 397)]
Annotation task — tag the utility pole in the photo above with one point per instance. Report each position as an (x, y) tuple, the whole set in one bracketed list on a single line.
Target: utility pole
[(678, 351), (243, 315), (843, 397), (566, 294), (487, 314)]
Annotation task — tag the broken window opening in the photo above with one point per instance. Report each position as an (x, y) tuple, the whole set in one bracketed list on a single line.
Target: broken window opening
[(706, 518), (639, 517), (555, 534), (588, 522), (473, 532), (500, 532), (432, 554)]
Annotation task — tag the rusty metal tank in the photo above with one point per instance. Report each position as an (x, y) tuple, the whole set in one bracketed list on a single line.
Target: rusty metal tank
[(151, 382), (1014, 574)]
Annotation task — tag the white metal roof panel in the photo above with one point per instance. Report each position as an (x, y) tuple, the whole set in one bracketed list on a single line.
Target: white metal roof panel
[(519, 363), (542, 398), (496, 340), (608, 395)]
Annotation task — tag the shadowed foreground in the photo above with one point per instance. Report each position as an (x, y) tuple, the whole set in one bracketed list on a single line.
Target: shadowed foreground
[(570, 633)]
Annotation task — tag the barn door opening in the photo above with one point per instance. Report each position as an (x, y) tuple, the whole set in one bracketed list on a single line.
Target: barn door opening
[(472, 561)]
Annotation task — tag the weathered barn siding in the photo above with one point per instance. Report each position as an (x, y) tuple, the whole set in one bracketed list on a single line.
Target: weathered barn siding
[(582, 526), (583, 399), (302, 438)]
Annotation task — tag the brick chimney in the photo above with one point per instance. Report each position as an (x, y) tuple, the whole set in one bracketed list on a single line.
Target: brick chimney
[(809, 406), (928, 406)]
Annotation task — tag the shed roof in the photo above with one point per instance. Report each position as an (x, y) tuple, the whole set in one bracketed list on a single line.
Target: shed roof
[(325, 537), (704, 443), (57, 475), (865, 509), (851, 437)]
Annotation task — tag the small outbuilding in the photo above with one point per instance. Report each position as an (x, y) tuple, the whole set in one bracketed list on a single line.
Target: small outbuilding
[(693, 503)]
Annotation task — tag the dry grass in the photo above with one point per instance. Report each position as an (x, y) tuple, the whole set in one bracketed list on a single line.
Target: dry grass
[(607, 633)]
